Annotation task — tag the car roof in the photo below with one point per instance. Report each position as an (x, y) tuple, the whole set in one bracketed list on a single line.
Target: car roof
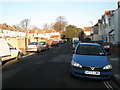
[(96, 44)]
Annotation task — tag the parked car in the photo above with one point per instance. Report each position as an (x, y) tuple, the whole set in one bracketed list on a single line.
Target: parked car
[(34, 47), (91, 61), (107, 48), (75, 38), (61, 42), (8, 52), (54, 43), (75, 43), (45, 45)]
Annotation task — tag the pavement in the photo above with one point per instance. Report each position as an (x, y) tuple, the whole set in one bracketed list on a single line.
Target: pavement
[(23, 51), (115, 60)]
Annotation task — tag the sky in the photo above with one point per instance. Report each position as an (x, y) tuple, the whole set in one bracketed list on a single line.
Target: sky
[(77, 13)]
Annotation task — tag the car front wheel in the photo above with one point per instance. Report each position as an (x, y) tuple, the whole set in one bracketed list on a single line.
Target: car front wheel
[(19, 56), (39, 50)]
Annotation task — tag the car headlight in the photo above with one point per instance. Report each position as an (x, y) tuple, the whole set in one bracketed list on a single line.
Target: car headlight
[(73, 63), (108, 67)]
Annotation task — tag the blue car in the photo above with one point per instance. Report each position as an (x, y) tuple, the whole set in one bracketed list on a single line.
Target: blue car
[(91, 61)]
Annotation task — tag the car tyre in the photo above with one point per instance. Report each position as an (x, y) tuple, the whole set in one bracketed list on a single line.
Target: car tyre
[(39, 50), (47, 48), (19, 56)]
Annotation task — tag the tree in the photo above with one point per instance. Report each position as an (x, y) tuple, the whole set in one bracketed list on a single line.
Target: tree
[(24, 24), (60, 24), (71, 31), (33, 27), (48, 26), (45, 26)]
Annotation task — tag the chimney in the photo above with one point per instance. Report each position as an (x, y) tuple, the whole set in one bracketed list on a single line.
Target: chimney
[(118, 4), (99, 20)]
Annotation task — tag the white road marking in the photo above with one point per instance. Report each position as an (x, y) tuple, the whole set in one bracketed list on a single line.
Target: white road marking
[(109, 87), (106, 85)]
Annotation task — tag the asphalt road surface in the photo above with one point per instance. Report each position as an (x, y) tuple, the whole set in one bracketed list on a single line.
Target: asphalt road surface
[(48, 69)]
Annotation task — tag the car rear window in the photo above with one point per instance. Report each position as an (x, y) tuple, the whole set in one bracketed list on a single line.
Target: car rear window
[(33, 43), (90, 50)]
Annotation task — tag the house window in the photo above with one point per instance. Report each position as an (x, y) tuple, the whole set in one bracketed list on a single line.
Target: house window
[(103, 21), (6, 32), (109, 20)]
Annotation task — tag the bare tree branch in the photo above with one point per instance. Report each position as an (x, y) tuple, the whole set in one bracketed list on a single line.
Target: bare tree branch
[(60, 24), (24, 24)]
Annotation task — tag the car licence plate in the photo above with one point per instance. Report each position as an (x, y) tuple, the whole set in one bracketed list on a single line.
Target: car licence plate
[(92, 72)]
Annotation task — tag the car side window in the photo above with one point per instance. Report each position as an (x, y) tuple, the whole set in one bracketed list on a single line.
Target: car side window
[(39, 44), (11, 47)]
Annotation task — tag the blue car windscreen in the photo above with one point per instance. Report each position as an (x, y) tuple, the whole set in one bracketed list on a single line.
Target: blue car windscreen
[(90, 50)]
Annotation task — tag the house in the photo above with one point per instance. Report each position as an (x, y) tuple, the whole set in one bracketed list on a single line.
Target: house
[(94, 33), (109, 27), (117, 24), (14, 36), (87, 31), (106, 25), (30, 36), (52, 34), (1, 33), (20, 38), (35, 35)]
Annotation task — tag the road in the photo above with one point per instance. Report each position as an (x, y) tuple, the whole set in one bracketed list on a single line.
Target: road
[(48, 69)]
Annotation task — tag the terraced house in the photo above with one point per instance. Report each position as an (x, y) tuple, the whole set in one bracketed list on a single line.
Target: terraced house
[(20, 38), (36, 35), (107, 30), (13, 35), (109, 27)]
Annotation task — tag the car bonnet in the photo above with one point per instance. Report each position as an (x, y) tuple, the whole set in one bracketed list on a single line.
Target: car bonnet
[(90, 60)]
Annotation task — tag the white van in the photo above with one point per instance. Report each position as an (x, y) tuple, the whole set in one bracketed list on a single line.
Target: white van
[(7, 52), (74, 39)]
